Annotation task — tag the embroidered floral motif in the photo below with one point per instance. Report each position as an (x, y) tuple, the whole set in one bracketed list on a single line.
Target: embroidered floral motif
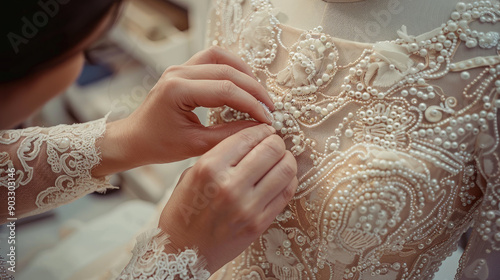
[(391, 63), (385, 125), (278, 248), (312, 65), (260, 45)]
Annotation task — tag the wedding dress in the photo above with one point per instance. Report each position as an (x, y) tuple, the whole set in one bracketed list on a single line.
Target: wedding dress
[(43, 168), (396, 141)]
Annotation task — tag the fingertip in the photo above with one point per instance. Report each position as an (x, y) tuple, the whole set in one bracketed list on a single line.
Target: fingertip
[(267, 128), (261, 116), (268, 103), (272, 129), (265, 98), (267, 113)]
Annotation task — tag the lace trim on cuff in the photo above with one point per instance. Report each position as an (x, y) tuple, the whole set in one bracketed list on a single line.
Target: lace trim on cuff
[(61, 157), (72, 150), (150, 262)]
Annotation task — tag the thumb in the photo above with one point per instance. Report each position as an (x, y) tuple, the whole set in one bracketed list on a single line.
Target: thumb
[(213, 135), (183, 174)]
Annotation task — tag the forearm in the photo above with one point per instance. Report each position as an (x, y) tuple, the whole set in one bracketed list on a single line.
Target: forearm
[(51, 166)]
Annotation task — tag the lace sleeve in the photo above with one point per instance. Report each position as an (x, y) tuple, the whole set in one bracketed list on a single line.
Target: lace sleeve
[(480, 259), (43, 168), (149, 261)]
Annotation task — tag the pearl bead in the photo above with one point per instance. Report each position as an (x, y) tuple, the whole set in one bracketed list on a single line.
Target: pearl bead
[(278, 125), (413, 47), (349, 133), (465, 75), (287, 243), (452, 26), (471, 43), (460, 6), (64, 143)]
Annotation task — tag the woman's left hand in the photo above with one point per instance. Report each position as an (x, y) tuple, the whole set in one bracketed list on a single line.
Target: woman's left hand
[(165, 129)]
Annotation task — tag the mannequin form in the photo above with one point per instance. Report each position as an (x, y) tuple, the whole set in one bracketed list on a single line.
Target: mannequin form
[(365, 20), (395, 161)]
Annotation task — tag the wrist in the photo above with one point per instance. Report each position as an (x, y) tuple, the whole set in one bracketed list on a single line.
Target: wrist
[(115, 151)]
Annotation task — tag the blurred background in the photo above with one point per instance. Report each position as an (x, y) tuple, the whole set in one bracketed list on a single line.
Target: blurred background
[(87, 238)]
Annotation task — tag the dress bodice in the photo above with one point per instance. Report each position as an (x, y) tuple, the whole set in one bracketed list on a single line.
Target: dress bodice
[(397, 145)]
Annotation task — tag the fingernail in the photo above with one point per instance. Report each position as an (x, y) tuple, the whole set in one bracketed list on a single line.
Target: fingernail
[(268, 113)]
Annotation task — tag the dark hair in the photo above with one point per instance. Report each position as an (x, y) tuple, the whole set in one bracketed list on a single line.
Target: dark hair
[(36, 32)]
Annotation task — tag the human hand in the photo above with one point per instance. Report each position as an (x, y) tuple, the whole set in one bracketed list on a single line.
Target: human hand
[(230, 196), (165, 129)]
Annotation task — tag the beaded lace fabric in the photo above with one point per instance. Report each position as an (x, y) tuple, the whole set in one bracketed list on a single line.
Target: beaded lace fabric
[(397, 145)]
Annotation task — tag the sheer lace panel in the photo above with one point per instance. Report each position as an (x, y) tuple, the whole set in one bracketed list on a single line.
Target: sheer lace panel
[(152, 263), (397, 144), (52, 165)]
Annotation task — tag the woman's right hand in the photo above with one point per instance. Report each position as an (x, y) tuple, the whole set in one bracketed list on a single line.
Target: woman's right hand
[(230, 196)]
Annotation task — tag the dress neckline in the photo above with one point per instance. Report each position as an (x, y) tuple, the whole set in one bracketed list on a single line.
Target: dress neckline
[(342, 41)]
